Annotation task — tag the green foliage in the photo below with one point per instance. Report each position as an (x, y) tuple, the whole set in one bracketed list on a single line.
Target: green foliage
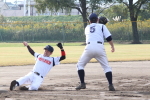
[(123, 30), (53, 5), (2, 19), (116, 10), (83, 6), (144, 15), (63, 28), (44, 18)]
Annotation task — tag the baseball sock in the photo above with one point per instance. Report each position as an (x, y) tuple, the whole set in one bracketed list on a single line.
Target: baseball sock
[(17, 83), (81, 75), (109, 77)]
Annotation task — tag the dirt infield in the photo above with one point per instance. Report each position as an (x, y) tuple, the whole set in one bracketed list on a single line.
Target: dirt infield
[(131, 80)]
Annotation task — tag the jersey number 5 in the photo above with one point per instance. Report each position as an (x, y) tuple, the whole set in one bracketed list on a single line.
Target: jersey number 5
[(92, 29)]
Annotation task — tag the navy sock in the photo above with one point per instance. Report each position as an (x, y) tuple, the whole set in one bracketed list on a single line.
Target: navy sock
[(81, 75), (109, 77), (17, 83)]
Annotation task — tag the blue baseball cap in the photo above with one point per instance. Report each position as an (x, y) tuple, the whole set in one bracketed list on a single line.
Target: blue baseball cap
[(49, 48), (93, 16)]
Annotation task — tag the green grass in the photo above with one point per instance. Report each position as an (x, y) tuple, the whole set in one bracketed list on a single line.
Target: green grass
[(16, 54)]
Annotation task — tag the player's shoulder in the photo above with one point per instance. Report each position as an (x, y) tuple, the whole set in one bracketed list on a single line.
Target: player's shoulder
[(94, 24), (88, 25), (36, 54), (100, 24)]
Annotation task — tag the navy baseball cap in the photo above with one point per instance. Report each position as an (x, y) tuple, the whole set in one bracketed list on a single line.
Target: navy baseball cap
[(49, 48), (93, 16)]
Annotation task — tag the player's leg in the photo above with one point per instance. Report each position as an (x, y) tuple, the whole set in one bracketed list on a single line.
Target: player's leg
[(85, 58), (102, 59), (20, 81), (37, 81)]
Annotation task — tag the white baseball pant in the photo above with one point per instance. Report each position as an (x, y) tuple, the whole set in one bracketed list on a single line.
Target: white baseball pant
[(97, 51), (31, 78)]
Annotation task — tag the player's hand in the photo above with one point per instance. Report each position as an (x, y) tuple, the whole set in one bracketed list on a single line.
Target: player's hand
[(60, 45), (25, 43), (112, 49)]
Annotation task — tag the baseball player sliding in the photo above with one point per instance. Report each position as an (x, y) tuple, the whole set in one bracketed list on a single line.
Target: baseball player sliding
[(43, 65), (95, 34)]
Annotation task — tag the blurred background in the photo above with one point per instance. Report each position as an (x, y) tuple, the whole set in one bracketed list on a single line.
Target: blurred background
[(65, 20)]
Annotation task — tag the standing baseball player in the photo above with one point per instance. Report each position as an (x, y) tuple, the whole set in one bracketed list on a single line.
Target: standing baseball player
[(43, 65), (95, 49)]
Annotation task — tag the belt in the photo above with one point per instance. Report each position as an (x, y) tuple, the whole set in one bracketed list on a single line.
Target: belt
[(38, 74), (97, 42)]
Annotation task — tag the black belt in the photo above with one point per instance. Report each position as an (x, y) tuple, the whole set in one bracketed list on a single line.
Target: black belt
[(97, 42), (38, 74)]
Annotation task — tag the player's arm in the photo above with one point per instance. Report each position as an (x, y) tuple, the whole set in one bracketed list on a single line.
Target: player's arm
[(63, 54), (108, 37), (29, 48), (112, 46), (109, 40)]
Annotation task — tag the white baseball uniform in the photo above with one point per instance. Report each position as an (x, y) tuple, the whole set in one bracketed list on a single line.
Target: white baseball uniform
[(95, 48), (42, 66)]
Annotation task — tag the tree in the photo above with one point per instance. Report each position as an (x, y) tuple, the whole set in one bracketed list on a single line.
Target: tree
[(83, 6), (2, 19), (134, 10), (116, 10), (145, 12)]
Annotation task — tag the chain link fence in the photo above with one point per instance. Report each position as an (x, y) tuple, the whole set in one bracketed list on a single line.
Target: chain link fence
[(66, 31)]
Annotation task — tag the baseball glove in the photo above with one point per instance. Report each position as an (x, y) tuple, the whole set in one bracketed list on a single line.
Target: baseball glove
[(103, 20), (60, 45)]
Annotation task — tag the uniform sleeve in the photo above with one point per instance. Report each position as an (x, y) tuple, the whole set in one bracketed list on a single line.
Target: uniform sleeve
[(36, 55), (30, 50), (106, 32), (56, 60), (63, 55)]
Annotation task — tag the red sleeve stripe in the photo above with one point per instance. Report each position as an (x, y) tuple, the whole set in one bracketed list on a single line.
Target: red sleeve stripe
[(63, 53)]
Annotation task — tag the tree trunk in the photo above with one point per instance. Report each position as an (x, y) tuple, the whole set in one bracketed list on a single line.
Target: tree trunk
[(84, 20), (135, 33), (83, 7), (133, 17)]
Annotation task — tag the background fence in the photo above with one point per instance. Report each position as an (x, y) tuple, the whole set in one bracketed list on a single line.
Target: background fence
[(66, 31)]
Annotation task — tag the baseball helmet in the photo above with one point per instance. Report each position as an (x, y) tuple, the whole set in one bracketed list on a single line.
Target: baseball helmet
[(93, 17), (103, 20), (49, 48)]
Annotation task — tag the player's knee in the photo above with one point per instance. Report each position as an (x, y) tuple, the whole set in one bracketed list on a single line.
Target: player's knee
[(80, 67), (107, 70)]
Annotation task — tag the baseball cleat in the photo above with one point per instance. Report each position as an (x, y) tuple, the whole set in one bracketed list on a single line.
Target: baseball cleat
[(13, 84), (111, 88), (81, 86)]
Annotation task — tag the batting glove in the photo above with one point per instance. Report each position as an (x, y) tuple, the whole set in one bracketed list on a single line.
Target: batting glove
[(60, 45)]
